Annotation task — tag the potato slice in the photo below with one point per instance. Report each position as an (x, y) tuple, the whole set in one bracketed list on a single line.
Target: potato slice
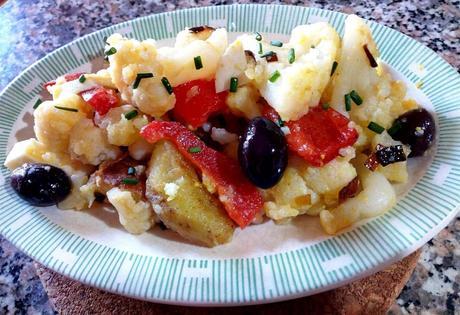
[(182, 202)]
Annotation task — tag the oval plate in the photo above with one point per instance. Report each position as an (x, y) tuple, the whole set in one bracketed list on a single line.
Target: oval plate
[(263, 263)]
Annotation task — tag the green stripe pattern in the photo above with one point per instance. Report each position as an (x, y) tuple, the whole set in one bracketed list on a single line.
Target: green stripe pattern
[(242, 280)]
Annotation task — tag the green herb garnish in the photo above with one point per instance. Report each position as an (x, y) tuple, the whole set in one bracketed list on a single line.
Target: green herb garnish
[(274, 76), (167, 85), (395, 128), (131, 170), (334, 67), (356, 98), (198, 62), (141, 76), (258, 36), (66, 108), (233, 84), (260, 49), (291, 55), (375, 127), (194, 150), (110, 51), (268, 54), (325, 106), (276, 43), (280, 122), (130, 115), (37, 103), (82, 78), (130, 181), (347, 102)]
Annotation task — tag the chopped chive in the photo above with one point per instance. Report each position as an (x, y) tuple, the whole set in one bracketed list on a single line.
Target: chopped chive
[(280, 122), (141, 76), (291, 55), (198, 62), (82, 78), (274, 76), (258, 36), (130, 115), (130, 181), (356, 98), (233, 84), (395, 128), (268, 54), (260, 49), (276, 43), (131, 170), (312, 46), (325, 106), (369, 56), (334, 67), (375, 127), (66, 108), (167, 85), (110, 51), (37, 103), (347, 102), (194, 150)]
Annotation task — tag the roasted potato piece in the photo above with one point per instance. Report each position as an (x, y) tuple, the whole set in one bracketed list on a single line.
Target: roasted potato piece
[(182, 202)]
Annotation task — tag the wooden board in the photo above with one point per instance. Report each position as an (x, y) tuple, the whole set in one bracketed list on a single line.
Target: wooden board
[(371, 295)]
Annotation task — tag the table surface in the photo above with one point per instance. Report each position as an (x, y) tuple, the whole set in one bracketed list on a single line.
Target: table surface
[(29, 30)]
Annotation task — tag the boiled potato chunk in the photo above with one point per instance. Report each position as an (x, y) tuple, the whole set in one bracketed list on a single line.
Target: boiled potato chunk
[(184, 204)]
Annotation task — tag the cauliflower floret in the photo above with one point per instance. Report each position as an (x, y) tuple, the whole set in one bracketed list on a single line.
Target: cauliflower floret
[(131, 58), (53, 126), (121, 131), (233, 64), (179, 64), (243, 102), (136, 217), (140, 149), (89, 144), (383, 98), (300, 84)]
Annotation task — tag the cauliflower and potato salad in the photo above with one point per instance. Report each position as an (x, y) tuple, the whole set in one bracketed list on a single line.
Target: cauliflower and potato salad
[(209, 134)]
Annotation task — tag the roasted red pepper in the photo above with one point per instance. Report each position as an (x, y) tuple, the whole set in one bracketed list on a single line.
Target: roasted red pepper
[(241, 199), (196, 101), (317, 136), (101, 99), (68, 77)]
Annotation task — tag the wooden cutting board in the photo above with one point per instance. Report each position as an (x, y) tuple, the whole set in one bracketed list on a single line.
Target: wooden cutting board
[(371, 295)]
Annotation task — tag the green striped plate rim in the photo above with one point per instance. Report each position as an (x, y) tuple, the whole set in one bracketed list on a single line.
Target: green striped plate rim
[(320, 266)]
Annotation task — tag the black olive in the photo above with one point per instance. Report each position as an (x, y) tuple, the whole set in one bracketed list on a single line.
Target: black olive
[(415, 128), (262, 152), (41, 184)]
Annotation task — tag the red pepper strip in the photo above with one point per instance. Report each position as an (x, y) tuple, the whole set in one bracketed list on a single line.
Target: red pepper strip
[(317, 136), (196, 101), (101, 99), (68, 77), (241, 199)]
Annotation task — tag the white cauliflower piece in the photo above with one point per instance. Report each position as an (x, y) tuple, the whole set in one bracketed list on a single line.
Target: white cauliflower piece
[(136, 217), (383, 98), (140, 149), (89, 144), (300, 84), (243, 102), (53, 126), (178, 61), (131, 58), (121, 131), (233, 64)]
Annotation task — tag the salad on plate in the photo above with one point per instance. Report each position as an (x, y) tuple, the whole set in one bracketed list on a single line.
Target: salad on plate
[(210, 135)]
